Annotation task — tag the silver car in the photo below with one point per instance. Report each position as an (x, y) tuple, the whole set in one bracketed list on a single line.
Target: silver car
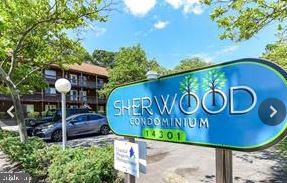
[(79, 124)]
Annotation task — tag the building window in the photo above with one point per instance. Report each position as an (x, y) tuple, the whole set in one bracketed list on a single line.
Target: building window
[(100, 82), (83, 80), (73, 95), (50, 74), (30, 108), (74, 79), (83, 96), (50, 91), (50, 107)]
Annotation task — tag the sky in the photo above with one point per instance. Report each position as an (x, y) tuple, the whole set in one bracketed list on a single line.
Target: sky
[(169, 31)]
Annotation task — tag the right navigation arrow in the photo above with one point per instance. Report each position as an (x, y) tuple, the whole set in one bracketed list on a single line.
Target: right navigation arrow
[(274, 111)]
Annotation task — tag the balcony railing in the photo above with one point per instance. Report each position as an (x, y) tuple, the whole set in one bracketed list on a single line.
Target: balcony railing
[(79, 82), (5, 98), (37, 97)]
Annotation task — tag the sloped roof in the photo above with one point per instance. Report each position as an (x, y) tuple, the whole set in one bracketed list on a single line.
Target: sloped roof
[(88, 68)]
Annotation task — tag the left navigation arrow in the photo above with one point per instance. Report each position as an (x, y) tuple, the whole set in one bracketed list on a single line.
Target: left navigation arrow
[(9, 111)]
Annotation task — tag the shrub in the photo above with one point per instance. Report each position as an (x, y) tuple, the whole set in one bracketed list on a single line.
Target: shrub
[(43, 159), (83, 165), (33, 114), (23, 153), (2, 115), (282, 147), (6, 134), (93, 165)]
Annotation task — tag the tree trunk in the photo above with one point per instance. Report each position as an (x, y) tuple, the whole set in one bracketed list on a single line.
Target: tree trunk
[(213, 97), (188, 98), (19, 115), (15, 94)]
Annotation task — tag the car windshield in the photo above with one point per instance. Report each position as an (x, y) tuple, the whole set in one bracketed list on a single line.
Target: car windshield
[(50, 113), (58, 113)]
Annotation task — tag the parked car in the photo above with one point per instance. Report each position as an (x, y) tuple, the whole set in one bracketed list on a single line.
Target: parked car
[(79, 124), (47, 117), (51, 116)]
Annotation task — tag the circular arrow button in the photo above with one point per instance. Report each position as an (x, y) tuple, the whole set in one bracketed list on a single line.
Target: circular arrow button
[(272, 111)]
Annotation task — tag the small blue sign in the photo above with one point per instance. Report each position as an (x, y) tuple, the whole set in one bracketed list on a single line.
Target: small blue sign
[(239, 105)]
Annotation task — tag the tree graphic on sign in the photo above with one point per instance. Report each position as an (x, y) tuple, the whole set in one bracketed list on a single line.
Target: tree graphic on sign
[(213, 80), (187, 85)]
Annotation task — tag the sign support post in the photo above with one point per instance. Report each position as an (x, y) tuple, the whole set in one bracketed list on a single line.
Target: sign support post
[(128, 177), (223, 165)]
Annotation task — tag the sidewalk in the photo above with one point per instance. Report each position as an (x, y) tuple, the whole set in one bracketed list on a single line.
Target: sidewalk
[(178, 163), (11, 128), (8, 122), (5, 165)]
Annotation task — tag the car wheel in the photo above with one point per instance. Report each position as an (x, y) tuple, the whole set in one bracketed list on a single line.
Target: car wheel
[(105, 130), (57, 136)]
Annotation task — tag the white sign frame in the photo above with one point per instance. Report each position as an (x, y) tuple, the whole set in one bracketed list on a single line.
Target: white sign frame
[(126, 157)]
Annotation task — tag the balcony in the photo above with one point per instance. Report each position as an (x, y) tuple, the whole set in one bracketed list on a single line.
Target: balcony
[(5, 98), (51, 78), (76, 83), (39, 97)]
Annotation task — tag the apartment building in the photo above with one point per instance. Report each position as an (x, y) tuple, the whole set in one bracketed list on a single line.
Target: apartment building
[(86, 79)]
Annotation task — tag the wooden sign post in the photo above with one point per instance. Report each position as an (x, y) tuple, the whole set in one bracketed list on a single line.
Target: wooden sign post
[(223, 165)]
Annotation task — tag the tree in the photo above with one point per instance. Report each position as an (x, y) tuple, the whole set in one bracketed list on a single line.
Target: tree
[(88, 57), (243, 19), (103, 58), (188, 85), (33, 35), (213, 80), (155, 66), (131, 64), (276, 52), (190, 64)]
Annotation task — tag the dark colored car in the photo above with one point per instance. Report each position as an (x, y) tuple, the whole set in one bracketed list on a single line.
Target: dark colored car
[(52, 116), (79, 124)]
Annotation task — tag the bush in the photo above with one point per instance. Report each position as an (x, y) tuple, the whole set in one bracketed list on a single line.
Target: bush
[(93, 165), (282, 147), (33, 114), (23, 153), (6, 134), (83, 165), (2, 115)]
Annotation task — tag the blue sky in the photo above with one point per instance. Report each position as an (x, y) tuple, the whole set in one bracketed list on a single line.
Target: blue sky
[(170, 30)]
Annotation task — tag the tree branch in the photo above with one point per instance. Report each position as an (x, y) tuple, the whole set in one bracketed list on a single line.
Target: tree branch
[(5, 78), (20, 42), (27, 75), (51, 18)]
